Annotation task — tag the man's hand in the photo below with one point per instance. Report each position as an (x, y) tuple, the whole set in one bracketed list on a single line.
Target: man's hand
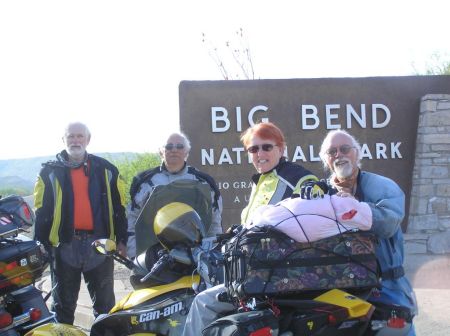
[(122, 249), (314, 190)]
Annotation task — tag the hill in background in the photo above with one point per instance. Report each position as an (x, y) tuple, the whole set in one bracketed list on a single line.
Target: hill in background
[(21, 173)]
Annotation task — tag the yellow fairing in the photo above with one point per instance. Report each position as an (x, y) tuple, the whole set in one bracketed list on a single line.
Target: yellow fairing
[(356, 307), (56, 329), (142, 295)]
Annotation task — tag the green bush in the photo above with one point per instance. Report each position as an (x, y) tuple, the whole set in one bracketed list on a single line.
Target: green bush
[(15, 191), (129, 168)]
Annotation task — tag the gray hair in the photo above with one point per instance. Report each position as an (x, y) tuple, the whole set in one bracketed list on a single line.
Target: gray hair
[(77, 123), (186, 141), (326, 141)]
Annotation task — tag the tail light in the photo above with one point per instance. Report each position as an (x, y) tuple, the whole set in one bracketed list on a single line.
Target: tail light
[(266, 331), (14, 275), (396, 322), (26, 212), (35, 314), (8, 267), (332, 320), (5, 319)]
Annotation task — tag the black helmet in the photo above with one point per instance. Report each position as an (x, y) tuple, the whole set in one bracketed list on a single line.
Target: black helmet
[(177, 224)]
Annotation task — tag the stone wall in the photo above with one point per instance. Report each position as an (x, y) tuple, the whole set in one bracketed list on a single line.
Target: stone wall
[(428, 230)]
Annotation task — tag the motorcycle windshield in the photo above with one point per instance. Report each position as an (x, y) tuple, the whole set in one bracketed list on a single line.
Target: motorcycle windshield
[(190, 192)]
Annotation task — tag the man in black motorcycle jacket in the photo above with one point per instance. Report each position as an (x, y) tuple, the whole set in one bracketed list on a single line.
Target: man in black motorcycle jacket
[(79, 198)]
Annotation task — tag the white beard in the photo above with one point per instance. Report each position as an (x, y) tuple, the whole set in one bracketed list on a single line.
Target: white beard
[(343, 171)]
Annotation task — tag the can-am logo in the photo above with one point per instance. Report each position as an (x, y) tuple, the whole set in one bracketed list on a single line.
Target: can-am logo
[(159, 313)]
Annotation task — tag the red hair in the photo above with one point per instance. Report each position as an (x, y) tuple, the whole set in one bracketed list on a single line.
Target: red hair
[(265, 131)]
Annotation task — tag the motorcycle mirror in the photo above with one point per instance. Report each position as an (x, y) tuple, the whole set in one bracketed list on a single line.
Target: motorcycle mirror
[(104, 246)]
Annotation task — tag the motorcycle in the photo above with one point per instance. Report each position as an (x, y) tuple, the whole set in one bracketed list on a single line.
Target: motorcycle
[(165, 277), (281, 287), (22, 263)]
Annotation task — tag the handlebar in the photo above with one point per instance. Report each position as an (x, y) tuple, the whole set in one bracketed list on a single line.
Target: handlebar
[(123, 260), (224, 236), (164, 261)]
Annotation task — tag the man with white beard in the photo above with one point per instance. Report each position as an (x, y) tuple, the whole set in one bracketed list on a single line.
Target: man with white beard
[(79, 198), (341, 154)]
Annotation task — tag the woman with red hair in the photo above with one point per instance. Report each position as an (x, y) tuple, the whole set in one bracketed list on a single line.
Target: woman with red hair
[(276, 179)]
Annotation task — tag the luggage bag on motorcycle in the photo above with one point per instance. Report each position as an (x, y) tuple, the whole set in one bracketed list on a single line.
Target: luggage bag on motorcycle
[(265, 262), (21, 263), (260, 322)]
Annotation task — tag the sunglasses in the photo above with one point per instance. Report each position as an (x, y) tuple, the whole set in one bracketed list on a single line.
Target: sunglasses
[(171, 146), (265, 147), (344, 149)]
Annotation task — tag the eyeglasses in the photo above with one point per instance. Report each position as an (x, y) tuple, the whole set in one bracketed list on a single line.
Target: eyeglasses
[(265, 147), (344, 149), (171, 146)]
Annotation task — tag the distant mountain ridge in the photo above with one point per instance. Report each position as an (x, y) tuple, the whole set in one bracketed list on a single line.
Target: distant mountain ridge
[(23, 172), (15, 182)]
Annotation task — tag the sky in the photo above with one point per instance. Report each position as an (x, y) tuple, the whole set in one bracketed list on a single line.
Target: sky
[(116, 65)]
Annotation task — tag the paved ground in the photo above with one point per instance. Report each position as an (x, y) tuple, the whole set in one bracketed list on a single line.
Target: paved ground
[(430, 277)]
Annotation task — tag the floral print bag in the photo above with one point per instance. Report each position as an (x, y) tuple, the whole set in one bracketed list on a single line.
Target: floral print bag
[(264, 262)]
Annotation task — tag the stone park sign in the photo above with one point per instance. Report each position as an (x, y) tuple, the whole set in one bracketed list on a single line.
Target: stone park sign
[(381, 112)]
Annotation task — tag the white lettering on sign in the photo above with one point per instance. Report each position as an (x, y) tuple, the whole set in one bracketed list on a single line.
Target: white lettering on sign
[(298, 155), (207, 156), (219, 115), (380, 149), (381, 116), (309, 115), (330, 115), (360, 119), (211, 157), (365, 152), (234, 185), (225, 157), (258, 108), (220, 120), (238, 200), (395, 153), (238, 151), (387, 115)]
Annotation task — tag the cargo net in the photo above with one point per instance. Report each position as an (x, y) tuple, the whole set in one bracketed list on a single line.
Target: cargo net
[(264, 262)]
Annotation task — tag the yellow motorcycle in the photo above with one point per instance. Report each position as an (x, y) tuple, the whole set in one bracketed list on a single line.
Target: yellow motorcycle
[(165, 276)]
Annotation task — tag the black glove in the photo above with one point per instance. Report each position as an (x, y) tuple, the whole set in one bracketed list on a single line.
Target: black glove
[(314, 189)]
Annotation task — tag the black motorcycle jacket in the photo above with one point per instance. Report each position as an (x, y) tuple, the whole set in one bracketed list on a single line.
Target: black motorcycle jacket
[(54, 201)]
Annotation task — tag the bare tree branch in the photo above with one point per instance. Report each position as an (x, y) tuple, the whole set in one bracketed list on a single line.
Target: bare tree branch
[(239, 51)]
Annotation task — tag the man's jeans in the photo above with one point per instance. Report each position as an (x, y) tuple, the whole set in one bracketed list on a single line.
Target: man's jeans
[(69, 261)]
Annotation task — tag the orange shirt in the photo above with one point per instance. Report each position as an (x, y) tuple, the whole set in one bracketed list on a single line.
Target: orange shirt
[(82, 215)]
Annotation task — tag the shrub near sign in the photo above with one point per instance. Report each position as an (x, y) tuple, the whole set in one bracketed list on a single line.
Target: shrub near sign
[(382, 113)]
